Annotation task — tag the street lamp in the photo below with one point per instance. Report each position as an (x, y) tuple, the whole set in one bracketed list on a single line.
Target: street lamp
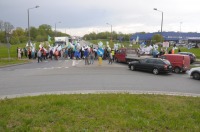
[(111, 31), (162, 18), (28, 23), (180, 33), (55, 28)]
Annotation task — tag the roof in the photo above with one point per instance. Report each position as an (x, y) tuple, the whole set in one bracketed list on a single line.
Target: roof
[(168, 36)]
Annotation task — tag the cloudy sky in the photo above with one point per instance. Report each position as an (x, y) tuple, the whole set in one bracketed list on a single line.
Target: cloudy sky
[(79, 17)]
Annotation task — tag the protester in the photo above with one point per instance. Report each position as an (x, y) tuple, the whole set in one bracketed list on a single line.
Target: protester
[(86, 54), (110, 58), (113, 55), (66, 53), (29, 53), (39, 56), (25, 52), (51, 54), (19, 53), (92, 55), (22, 52), (56, 54)]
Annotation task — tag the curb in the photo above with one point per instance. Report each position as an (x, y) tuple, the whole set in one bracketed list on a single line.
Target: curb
[(137, 92)]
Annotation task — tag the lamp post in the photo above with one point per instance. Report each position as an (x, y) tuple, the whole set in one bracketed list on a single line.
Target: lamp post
[(162, 18), (180, 33), (28, 23), (111, 31), (55, 28)]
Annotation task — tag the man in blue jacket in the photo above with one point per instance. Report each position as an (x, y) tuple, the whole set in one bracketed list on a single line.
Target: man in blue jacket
[(86, 55)]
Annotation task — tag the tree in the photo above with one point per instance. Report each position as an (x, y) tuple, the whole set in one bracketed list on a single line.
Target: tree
[(33, 32), (157, 38), (45, 30), (41, 38), (7, 28), (18, 36)]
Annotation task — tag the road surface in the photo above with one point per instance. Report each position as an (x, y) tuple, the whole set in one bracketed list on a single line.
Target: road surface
[(63, 77)]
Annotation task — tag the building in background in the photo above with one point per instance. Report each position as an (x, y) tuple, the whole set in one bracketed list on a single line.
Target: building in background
[(172, 37)]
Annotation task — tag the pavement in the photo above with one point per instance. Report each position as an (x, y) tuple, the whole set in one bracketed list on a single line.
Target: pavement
[(68, 74)]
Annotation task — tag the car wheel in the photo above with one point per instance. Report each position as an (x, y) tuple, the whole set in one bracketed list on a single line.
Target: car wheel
[(155, 71), (132, 67), (196, 75), (177, 70)]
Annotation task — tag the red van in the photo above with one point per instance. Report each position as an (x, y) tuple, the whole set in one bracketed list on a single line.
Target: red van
[(180, 63), (120, 55)]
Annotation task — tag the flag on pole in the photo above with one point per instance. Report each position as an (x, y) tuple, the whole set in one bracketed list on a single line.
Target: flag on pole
[(49, 38), (137, 39)]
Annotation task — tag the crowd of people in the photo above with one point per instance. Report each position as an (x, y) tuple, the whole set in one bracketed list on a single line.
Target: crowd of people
[(21, 52), (89, 54)]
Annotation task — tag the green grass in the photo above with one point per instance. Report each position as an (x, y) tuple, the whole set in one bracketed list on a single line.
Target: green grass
[(195, 51), (4, 56), (5, 62), (100, 112), (13, 50)]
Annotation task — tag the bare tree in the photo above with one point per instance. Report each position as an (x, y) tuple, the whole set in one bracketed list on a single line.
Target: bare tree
[(8, 27), (1, 25)]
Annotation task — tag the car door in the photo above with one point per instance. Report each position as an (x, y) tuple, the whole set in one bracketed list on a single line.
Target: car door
[(149, 65), (142, 64)]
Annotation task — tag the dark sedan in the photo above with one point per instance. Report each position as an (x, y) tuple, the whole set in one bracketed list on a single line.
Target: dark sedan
[(155, 65)]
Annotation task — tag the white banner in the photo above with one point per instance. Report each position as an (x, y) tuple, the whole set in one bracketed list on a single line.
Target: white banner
[(165, 44)]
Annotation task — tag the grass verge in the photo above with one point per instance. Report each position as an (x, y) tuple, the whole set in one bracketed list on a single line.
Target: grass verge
[(12, 61), (100, 112)]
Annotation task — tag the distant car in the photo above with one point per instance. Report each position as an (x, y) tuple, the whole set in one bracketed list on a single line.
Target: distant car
[(192, 56), (155, 65), (194, 73)]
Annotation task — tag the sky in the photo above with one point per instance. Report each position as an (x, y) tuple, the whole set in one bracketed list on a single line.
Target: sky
[(79, 17)]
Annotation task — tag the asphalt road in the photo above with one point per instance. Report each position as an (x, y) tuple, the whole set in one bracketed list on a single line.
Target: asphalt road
[(63, 77)]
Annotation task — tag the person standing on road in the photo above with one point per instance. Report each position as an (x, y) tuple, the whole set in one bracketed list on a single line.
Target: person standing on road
[(22, 52), (86, 54), (92, 55), (56, 54), (25, 52), (19, 53), (110, 58), (29, 53), (179, 50), (113, 55), (39, 55), (51, 54)]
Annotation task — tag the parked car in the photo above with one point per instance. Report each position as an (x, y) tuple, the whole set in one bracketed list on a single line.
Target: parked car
[(155, 65), (195, 73), (192, 56), (180, 63)]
